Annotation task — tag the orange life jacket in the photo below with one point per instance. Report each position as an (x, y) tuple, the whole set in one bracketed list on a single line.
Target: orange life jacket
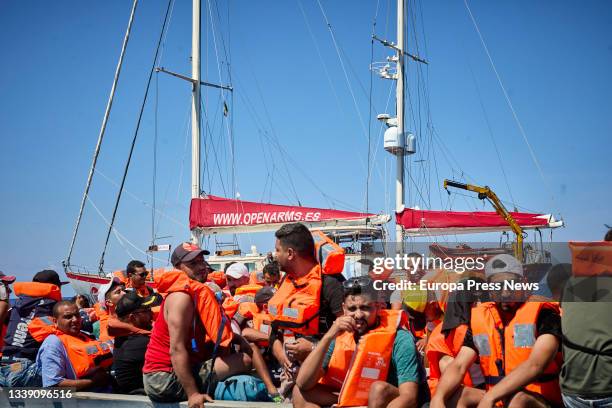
[(353, 368), (84, 353), (329, 254), (103, 317), (438, 346), (217, 277), (204, 300), (247, 310), (38, 289), (230, 306), (262, 322), (591, 258), (295, 305), (248, 290), (257, 278), (500, 356), (121, 275)]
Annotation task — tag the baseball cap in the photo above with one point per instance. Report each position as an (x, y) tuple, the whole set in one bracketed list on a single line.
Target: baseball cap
[(237, 270), (130, 302), (186, 252), (6, 278), (263, 295), (503, 263), (48, 276), (103, 290)]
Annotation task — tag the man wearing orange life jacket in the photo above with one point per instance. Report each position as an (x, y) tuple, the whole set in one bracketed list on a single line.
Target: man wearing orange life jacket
[(35, 299), (306, 303), (191, 337), (108, 296), (136, 274), (516, 343), (447, 338), (239, 287), (68, 358), (368, 356)]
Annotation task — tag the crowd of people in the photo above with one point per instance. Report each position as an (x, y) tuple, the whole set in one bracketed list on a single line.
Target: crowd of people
[(298, 331)]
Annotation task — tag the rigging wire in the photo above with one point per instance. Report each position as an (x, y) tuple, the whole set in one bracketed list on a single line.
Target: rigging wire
[(492, 137), (318, 49), (101, 263), (510, 105), (119, 235), (102, 130), (337, 48)]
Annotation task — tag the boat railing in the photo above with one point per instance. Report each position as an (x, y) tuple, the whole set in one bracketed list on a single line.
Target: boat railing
[(85, 270)]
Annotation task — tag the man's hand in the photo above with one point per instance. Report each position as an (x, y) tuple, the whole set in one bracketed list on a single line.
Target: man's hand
[(197, 400), (299, 350), (341, 324), (420, 345)]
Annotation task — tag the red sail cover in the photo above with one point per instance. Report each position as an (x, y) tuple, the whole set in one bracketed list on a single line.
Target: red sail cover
[(423, 223), (218, 214)]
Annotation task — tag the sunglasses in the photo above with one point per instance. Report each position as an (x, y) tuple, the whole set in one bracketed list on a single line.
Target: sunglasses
[(360, 282), (142, 274)]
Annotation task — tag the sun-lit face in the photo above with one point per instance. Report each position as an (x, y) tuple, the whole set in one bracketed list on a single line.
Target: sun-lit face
[(113, 296), (363, 309), (197, 269), (233, 283), (69, 319), (139, 277), (284, 256)]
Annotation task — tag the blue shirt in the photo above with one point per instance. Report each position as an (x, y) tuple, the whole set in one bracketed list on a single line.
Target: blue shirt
[(53, 362)]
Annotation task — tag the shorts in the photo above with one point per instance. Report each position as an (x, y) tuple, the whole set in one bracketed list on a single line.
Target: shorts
[(162, 386)]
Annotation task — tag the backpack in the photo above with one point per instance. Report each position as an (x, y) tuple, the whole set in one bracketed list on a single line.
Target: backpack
[(242, 388)]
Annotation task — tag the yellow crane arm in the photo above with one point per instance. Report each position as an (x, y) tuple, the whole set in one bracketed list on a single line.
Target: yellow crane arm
[(486, 192)]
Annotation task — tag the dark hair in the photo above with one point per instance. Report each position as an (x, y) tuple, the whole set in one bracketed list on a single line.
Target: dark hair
[(298, 237), (59, 304), (81, 297), (558, 276), (131, 267), (608, 236), (356, 287), (272, 268)]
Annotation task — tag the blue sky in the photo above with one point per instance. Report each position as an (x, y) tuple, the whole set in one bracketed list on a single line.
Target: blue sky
[(58, 61)]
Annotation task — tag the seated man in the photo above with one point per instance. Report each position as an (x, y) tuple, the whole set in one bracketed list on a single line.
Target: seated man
[(516, 344), (130, 347), (396, 377), (68, 358), (191, 338)]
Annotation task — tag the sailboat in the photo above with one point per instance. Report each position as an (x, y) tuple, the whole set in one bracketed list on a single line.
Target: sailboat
[(357, 232)]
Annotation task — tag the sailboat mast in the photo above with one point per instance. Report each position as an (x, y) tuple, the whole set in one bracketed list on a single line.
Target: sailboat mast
[(195, 110), (399, 94)]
